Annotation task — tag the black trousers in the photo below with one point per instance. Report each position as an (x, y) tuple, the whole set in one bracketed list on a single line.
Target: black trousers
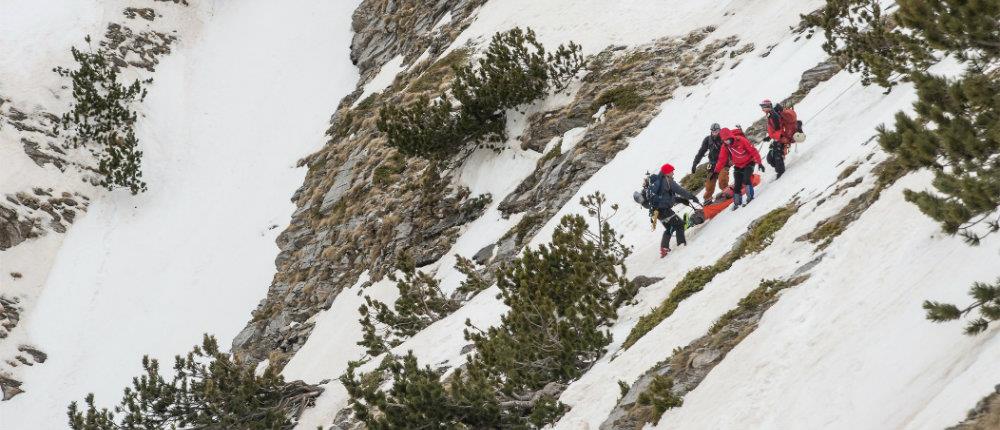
[(776, 158), (673, 224), (743, 176)]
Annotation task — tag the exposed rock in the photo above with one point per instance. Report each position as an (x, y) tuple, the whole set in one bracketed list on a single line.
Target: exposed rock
[(10, 315), (985, 415), (386, 28), (342, 181), (640, 282), (703, 357), (142, 12), (142, 49), (14, 229), (483, 256), (344, 420), (36, 355), (41, 158), (10, 387)]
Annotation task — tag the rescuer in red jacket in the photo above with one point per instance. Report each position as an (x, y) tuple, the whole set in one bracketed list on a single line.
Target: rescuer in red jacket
[(743, 155), (782, 124)]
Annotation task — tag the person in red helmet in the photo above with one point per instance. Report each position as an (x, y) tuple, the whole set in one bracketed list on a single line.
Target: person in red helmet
[(782, 124), (738, 150), (660, 193)]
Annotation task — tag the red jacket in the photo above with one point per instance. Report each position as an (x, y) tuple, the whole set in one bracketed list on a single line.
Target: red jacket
[(740, 150), (781, 126)]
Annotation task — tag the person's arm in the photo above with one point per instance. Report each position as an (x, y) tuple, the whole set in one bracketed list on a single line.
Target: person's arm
[(680, 191), (701, 153), (753, 152), (723, 159), (774, 130)]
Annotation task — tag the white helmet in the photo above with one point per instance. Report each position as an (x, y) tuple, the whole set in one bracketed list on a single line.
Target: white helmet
[(799, 137)]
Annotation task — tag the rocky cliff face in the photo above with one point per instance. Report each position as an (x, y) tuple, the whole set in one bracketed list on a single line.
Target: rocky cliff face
[(384, 29), (362, 205)]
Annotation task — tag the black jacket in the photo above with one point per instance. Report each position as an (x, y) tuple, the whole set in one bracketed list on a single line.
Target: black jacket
[(711, 145), (664, 193)]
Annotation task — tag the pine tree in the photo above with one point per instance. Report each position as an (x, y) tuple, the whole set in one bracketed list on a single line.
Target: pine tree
[(956, 128), (424, 128), (561, 299), (512, 72), (867, 40), (420, 304), (209, 389), (474, 282), (102, 118), (986, 299), (515, 70), (418, 398), (121, 163)]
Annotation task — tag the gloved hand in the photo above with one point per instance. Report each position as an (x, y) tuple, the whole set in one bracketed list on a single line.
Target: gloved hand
[(694, 167), (767, 138), (695, 199), (714, 176), (761, 167)]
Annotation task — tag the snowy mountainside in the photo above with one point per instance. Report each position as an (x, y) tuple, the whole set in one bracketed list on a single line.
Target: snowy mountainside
[(239, 115), (841, 117), (222, 128)]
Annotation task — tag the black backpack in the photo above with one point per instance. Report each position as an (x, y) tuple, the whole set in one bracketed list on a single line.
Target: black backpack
[(658, 192)]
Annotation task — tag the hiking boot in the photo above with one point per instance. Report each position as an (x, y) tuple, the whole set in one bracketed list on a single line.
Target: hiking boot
[(749, 199), (736, 206), (664, 252)]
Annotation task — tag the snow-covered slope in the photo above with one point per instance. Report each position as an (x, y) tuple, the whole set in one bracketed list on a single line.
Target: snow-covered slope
[(233, 108), (225, 121)]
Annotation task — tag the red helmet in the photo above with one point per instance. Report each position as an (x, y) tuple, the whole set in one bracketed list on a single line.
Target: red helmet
[(766, 104), (667, 169)]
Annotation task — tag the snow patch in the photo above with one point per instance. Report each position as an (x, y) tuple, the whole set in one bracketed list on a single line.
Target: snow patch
[(386, 74), (445, 20)]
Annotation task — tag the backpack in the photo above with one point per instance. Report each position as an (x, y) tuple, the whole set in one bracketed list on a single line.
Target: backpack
[(790, 122), (657, 191)]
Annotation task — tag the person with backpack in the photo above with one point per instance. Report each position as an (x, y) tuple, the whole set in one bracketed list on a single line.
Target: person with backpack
[(711, 145), (659, 194), (738, 150), (782, 124)]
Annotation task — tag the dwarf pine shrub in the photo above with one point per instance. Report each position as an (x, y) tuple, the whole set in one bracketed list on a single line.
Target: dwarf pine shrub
[(208, 389), (515, 70), (420, 304), (561, 301), (102, 118)]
